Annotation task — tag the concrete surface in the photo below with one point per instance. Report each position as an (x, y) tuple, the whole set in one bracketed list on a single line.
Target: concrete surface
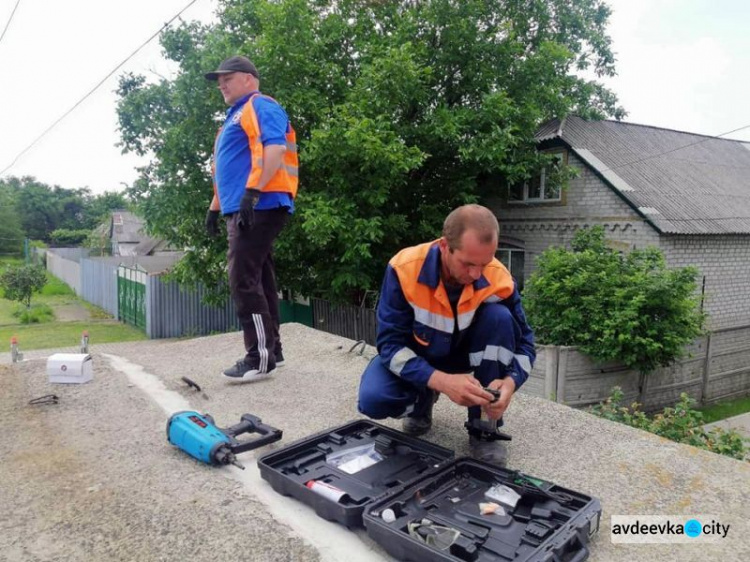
[(93, 477)]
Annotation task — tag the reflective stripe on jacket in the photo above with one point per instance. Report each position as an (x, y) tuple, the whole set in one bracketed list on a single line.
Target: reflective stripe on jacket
[(416, 322), (286, 178)]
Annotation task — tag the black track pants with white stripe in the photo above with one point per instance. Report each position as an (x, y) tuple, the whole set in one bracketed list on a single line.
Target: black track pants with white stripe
[(252, 281)]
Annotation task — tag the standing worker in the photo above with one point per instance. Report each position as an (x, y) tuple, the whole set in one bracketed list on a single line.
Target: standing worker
[(255, 177), (450, 321)]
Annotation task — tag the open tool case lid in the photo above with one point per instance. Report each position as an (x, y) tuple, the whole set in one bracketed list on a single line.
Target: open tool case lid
[(405, 458), (414, 482)]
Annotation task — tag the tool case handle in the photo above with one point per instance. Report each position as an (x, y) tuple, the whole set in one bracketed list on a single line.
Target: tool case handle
[(251, 424), (575, 544)]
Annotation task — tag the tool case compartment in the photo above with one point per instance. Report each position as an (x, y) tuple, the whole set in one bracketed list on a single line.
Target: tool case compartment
[(548, 523), (404, 459), (414, 480)]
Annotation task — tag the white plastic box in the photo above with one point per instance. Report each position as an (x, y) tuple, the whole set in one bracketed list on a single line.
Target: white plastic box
[(69, 368)]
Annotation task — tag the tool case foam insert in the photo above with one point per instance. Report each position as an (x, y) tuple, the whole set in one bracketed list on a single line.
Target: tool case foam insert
[(417, 480)]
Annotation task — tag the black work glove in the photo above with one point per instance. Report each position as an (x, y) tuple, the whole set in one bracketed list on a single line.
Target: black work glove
[(212, 223), (247, 208)]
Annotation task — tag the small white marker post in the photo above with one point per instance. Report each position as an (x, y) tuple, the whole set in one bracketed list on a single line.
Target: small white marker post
[(15, 352)]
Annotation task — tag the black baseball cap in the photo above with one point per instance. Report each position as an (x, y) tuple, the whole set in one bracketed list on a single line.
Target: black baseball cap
[(234, 64)]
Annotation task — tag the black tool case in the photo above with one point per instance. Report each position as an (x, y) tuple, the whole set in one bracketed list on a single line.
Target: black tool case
[(418, 482)]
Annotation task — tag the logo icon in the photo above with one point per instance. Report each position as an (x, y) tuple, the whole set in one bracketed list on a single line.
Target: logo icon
[(693, 528), (63, 368)]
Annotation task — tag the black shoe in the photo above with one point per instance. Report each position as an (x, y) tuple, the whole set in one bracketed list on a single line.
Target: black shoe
[(493, 452), (419, 425), (246, 372), (279, 359)]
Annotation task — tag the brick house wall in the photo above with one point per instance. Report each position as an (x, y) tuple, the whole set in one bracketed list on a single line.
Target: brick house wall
[(725, 263), (588, 201)]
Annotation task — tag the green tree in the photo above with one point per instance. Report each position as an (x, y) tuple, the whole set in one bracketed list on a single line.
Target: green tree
[(100, 207), (42, 209), (19, 283), (11, 232), (403, 110), (631, 308)]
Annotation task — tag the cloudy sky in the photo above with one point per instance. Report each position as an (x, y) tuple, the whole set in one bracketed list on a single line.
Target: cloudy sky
[(682, 64)]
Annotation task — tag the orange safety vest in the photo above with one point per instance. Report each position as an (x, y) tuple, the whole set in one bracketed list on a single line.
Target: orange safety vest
[(418, 271), (286, 178)]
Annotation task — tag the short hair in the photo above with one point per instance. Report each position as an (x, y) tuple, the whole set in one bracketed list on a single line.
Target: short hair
[(470, 217)]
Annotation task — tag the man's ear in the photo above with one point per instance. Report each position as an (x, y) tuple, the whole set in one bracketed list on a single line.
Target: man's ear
[(444, 247)]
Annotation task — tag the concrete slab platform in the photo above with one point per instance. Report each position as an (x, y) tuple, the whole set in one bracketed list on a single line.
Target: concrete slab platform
[(93, 478)]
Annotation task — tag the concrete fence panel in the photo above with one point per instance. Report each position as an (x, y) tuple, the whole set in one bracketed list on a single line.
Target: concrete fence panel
[(716, 367), (542, 379), (728, 364)]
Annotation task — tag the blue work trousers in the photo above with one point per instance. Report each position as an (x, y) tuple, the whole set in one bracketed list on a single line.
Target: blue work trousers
[(382, 394)]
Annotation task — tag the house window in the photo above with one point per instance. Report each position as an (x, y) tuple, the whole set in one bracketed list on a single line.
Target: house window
[(514, 259), (543, 187)]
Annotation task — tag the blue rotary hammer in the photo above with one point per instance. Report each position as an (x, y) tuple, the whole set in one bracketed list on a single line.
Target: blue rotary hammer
[(199, 437)]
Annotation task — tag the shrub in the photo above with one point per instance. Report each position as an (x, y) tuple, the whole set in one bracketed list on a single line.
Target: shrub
[(67, 237), (682, 424), (629, 308), (37, 314)]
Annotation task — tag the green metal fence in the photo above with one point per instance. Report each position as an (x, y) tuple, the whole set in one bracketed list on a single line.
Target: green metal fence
[(290, 311), (131, 296)]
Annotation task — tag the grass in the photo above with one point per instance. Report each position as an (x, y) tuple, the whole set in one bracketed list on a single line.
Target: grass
[(36, 314), (101, 327), (727, 409), (7, 308), (68, 334), (55, 287)]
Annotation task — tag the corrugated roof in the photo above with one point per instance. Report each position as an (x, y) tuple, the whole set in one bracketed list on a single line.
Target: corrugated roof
[(127, 227), (682, 183), (146, 246)]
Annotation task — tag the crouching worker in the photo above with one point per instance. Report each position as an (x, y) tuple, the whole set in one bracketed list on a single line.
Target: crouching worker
[(450, 321)]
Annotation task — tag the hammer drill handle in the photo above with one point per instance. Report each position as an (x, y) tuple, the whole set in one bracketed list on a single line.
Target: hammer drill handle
[(251, 424)]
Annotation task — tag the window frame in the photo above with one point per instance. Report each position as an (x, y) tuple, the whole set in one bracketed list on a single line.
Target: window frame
[(563, 157), (519, 276)]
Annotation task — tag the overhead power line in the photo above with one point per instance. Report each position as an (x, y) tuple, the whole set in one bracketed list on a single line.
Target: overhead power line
[(95, 88), (10, 19)]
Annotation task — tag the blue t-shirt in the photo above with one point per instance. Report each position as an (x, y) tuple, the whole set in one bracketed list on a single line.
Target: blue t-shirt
[(232, 158)]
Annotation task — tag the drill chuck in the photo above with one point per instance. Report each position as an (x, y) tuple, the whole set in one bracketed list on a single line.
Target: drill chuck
[(224, 455)]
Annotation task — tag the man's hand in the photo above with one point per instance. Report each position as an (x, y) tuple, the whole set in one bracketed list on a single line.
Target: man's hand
[(507, 387), (212, 223), (462, 389), (247, 208)]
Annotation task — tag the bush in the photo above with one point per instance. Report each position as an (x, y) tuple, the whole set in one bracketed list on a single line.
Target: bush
[(67, 237), (681, 424), (37, 314), (629, 308)]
